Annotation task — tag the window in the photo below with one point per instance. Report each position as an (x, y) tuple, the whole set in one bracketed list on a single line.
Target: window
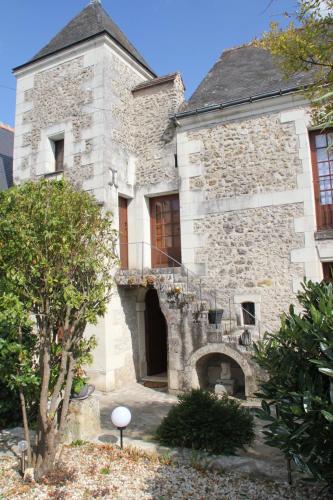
[(59, 147), (322, 163), (249, 316), (327, 271)]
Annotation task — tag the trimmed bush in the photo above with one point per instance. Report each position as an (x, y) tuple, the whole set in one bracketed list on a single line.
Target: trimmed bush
[(202, 421)]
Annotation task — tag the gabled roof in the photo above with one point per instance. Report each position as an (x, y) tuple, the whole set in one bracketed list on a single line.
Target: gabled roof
[(6, 156), (156, 81), (89, 23), (242, 73)]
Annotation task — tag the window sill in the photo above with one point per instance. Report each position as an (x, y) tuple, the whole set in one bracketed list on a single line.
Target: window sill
[(324, 234), (54, 175)]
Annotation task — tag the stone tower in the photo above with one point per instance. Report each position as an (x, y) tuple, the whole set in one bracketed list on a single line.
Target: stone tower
[(76, 117)]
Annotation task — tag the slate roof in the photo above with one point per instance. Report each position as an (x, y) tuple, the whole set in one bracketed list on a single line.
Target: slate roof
[(156, 81), (89, 23), (6, 156), (242, 73)]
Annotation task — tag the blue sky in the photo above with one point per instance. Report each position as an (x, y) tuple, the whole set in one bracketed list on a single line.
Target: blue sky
[(183, 35)]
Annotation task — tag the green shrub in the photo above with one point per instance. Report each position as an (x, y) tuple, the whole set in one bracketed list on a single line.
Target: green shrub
[(202, 421), (298, 394), (10, 415)]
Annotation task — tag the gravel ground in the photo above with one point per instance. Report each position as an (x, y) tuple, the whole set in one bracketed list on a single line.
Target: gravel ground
[(104, 471)]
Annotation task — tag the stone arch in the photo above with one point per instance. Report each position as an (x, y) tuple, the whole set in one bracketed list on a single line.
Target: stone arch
[(220, 349)]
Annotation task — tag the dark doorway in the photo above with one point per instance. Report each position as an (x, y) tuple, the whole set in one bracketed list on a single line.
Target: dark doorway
[(156, 335)]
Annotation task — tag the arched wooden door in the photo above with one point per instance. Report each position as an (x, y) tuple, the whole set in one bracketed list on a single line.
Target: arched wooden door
[(156, 335)]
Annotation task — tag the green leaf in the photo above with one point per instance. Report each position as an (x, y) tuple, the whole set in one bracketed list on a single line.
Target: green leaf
[(326, 371), (327, 415)]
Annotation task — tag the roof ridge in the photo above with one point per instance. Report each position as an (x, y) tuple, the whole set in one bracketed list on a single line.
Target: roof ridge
[(242, 46), (90, 22), (157, 81)]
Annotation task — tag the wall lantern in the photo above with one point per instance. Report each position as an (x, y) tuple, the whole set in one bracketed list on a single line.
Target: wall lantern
[(121, 417)]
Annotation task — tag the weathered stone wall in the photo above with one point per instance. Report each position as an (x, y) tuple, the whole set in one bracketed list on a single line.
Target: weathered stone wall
[(58, 95), (119, 80), (249, 156), (248, 252), (154, 132)]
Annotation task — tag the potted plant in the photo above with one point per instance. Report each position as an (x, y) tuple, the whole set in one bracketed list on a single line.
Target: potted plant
[(131, 281), (215, 316), (151, 280), (80, 389)]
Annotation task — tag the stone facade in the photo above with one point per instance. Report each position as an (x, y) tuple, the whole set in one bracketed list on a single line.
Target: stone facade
[(247, 252), (155, 133), (256, 155), (244, 180)]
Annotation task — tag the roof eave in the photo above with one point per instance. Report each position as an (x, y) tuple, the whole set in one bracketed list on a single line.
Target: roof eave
[(237, 102), (104, 32)]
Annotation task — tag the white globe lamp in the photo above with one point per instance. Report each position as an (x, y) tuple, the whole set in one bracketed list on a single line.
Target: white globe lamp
[(121, 417)]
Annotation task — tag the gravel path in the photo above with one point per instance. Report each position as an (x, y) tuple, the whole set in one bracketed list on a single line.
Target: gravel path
[(104, 471)]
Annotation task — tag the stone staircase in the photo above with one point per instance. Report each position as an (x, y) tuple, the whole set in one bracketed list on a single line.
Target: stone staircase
[(179, 288), (185, 302)]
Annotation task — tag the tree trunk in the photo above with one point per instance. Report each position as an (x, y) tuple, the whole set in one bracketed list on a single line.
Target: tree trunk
[(46, 452), (26, 426), (24, 411), (50, 431)]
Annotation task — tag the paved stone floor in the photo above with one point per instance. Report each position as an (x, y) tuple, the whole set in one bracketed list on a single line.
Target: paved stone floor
[(148, 407)]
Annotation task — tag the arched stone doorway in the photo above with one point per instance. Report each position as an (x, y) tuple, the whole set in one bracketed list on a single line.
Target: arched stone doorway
[(193, 376), (155, 335), (217, 370)]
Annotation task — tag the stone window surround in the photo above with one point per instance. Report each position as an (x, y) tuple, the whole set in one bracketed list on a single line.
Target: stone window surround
[(239, 300), (45, 156), (139, 223)]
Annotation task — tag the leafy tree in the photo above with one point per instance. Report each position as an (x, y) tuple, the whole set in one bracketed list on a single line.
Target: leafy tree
[(298, 394), (18, 373), (203, 421), (57, 250), (306, 46)]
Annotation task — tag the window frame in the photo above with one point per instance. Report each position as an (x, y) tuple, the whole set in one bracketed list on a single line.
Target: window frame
[(324, 212)]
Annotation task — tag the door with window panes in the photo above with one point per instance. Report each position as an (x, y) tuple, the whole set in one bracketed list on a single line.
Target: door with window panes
[(322, 162), (165, 231)]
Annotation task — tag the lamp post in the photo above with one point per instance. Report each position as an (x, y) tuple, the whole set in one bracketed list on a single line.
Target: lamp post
[(22, 446), (121, 417)]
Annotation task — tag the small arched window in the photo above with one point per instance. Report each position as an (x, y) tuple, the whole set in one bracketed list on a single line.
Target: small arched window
[(249, 313)]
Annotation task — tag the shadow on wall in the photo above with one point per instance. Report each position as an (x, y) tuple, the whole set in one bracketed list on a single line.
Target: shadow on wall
[(217, 368), (128, 299)]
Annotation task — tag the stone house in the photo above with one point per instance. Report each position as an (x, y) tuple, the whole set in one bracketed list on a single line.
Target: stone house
[(6, 156), (222, 202)]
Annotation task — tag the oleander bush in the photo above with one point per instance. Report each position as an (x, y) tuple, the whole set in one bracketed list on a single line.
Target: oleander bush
[(298, 393), (203, 421)]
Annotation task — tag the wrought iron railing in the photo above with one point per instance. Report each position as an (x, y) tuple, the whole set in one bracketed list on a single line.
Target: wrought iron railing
[(169, 272), (176, 280)]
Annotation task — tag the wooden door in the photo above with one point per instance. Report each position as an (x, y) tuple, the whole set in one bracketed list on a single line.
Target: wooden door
[(322, 162), (123, 233), (165, 231), (156, 335)]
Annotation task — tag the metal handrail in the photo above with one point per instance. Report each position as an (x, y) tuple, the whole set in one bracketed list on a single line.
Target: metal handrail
[(212, 295)]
